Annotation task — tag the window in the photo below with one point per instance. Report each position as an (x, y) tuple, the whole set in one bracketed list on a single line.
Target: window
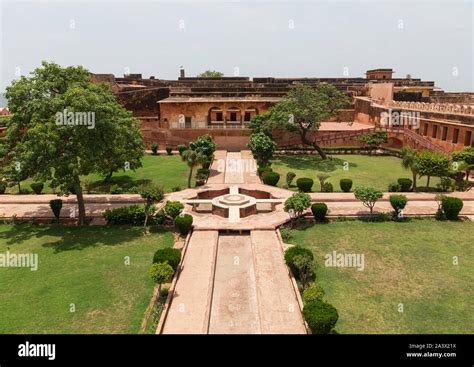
[(455, 136), (435, 131), (219, 116), (187, 122), (425, 129), (247, 116), (467, 138), (445, 133), (233, 116)]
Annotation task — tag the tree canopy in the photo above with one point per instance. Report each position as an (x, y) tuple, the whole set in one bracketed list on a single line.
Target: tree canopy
[(211, 74), (64, 127)]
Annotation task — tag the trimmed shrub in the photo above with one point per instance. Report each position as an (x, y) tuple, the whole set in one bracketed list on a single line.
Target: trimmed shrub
[(271, 178), (37, 187), (170, 255), (184, 223), (304, 184), (294, 251), (181, 148), (56, 206), (320, 316), (154, 148), (173, 208), (394, 187), (290, 176), (398, 203), (161, 273), (405, 184), (169, 150), (262, 169), (3, 187), (345, 184), (132, 215), (451, 207), (313, 293), (285, 234), (327, 187), (319, 211)]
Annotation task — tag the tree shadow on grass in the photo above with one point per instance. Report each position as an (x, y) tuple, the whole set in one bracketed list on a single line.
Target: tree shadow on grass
[(72, 237), (309, 162), (125, 182)]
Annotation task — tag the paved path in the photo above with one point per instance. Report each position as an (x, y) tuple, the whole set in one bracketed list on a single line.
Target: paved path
[(234, 284), (189, 311), (233, 168)]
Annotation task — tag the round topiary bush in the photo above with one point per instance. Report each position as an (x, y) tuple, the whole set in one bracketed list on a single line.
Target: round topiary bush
[(313, 293), (398, 202), (3, 187), (327, 187), (262, 169), (394, 187), (320, 316), (293, 251), (319, 211), (170, 255), (304, 184), (173, 208), (405, 184), (451, 207), (37, 187), (345, 184), (270, 178), (161, 273), (184, 223)]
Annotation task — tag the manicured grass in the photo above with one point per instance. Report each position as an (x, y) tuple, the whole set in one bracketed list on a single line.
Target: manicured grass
[(375, 171), (168, 171), (81, 266), (405, 263)]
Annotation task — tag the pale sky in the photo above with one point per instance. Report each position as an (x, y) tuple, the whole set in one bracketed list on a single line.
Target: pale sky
[(432, 40)]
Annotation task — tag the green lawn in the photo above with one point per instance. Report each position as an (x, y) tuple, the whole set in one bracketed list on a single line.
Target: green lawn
[(168, 171), (405, 263), (80, 266), (376, 171)]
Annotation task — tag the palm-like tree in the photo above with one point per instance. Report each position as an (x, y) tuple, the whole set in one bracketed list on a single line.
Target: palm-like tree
[(193, 158), (408, 162)]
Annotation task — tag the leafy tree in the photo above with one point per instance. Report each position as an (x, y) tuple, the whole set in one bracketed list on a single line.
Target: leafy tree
[(368, 196), (305, 265), (211, 74), (14, 174), (151, 194), (62, 153), (193, 158), (409, 162), (262, 148), (466, 159), (297, 204), (161, 273), (429, 163), (204, 145), (374, 140), (173, 209), (303, 110)]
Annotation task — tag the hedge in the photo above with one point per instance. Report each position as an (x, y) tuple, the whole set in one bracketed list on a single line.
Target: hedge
[(405, 184), (132, 215), (345, 184), (313, 293)]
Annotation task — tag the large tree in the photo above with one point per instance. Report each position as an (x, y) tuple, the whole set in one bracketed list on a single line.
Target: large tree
[(211, 74), (429, 163), (303, 110), (64, 150)]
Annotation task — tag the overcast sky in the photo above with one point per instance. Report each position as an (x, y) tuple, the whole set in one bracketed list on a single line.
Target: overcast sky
[(429, 40)]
